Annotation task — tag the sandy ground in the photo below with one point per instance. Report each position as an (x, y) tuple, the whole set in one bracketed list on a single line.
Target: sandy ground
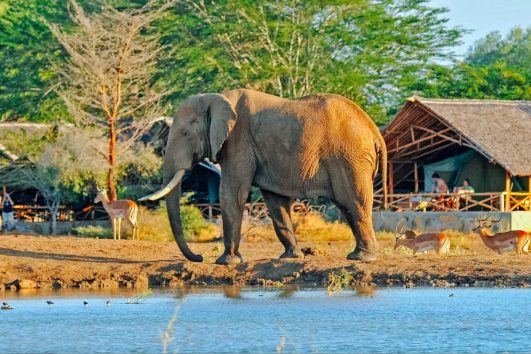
[(59, 262)]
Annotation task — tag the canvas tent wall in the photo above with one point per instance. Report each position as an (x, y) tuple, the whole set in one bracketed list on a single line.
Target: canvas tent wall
[(436, 131), (483, 175)]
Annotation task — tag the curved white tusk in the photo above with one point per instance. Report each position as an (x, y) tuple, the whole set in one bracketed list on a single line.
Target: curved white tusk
[(167, 189)]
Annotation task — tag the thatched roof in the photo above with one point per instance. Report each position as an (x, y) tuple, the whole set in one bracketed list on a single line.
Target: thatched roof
[(499, 130)]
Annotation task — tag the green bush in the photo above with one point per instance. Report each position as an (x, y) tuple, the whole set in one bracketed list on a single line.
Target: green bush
[(155, 226), (92, 231)]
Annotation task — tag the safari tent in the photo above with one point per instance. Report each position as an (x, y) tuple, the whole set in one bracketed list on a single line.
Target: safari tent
[(486, 141)]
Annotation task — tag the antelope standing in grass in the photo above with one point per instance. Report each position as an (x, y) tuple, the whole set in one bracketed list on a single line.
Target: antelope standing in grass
[(119, 210), (516, 240), (438, 241)]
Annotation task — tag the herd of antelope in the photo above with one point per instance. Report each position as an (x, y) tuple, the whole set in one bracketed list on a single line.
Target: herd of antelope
[(516, 240)]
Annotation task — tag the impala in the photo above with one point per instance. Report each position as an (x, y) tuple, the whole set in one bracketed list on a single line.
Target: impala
[(439, 242), (516, 240), (119, 210)]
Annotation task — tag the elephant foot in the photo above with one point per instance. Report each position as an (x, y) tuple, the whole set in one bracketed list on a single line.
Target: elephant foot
[(361, 255), (227, 259), (292, 253)]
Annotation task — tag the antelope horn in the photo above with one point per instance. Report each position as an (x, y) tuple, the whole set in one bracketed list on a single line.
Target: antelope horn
[(167, 189), (492, 219), (400, 228), (481, 218)]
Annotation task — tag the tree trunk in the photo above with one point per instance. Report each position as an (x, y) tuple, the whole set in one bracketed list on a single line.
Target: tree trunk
[(112, 160), (54, 208)]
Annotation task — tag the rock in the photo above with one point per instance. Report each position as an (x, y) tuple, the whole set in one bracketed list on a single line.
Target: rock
[(25, 284), (141, 282)]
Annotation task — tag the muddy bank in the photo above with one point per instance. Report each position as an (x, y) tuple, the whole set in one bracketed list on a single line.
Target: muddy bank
[(28, 262)]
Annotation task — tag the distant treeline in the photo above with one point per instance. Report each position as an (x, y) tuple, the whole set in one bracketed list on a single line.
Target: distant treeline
[(375, 52)]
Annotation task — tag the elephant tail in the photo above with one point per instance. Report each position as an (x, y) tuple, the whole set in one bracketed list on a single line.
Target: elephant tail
[(382, 154)]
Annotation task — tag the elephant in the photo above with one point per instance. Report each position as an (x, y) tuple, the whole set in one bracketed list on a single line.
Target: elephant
[(320, 145)]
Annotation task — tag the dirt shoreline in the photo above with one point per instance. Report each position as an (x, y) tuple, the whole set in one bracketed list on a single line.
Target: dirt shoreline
[(28, 262)]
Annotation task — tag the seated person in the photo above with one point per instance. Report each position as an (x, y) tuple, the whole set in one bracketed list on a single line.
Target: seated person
[(465, 188), (439, 185)]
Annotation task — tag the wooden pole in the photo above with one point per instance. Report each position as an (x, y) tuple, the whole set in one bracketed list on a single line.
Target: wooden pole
[(507, 191), (416, 174), (391, 174)]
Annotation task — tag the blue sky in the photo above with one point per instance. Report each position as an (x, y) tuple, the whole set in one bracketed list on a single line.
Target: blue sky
[(485, 16)]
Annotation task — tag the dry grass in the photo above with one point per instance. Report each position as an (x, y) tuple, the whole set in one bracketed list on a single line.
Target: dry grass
[(308, 228), (154, 225)]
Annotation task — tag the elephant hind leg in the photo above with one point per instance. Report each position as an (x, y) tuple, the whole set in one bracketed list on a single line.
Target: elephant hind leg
[(280, 210), (354, 197)]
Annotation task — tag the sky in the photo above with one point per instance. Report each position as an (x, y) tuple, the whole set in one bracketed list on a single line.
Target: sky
[(485, 16)]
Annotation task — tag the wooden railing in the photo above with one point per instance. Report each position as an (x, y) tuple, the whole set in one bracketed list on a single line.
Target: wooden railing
[(258, 210), (488, 201), (39, 213), (517, 201)]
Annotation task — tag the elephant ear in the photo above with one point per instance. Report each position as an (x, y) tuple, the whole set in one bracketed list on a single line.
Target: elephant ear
[(222, 120)]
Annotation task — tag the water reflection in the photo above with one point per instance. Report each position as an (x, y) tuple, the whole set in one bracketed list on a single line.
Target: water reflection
[(68, 292), (260, 317), (288, 291), (233, 292), (365, 290)]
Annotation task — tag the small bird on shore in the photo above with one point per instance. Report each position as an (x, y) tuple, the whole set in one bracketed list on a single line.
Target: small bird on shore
[(108, 303), (6, 306), (451, 295), (85, 303), (49, 302)]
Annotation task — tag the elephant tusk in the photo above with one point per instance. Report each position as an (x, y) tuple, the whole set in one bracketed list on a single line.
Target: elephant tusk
[(167, 189)]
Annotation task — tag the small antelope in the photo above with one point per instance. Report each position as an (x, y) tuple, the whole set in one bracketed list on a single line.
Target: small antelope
[(516, 240), (119, 210), (438, 242)]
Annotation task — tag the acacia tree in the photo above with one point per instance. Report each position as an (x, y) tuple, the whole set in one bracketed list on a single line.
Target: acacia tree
[(65, 166), (108, 80)]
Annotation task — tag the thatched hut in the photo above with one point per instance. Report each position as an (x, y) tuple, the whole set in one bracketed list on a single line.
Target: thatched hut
[(486, 141)]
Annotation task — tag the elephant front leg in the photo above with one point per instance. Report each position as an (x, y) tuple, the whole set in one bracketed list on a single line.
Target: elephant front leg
[(280, 210), (233, 203)]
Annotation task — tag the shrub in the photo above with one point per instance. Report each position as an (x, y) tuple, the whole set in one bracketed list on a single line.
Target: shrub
[(92, 231), (337, 281), (155, 226), (313, 227)]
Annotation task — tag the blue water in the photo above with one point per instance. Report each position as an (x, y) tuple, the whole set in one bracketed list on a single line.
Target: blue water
[(258, 320)]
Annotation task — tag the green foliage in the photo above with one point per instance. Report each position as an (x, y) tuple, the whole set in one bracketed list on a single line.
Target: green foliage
[(92, 231), (495, 68), (369, 51), (338, 280), (196, 228), (374, 52), (155, 226), (27, 49)]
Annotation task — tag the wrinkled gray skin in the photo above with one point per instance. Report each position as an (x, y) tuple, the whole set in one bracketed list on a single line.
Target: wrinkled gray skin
[(260, 140)]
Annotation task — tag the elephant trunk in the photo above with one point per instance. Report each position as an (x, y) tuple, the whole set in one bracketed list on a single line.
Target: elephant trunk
[(174, 214)]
